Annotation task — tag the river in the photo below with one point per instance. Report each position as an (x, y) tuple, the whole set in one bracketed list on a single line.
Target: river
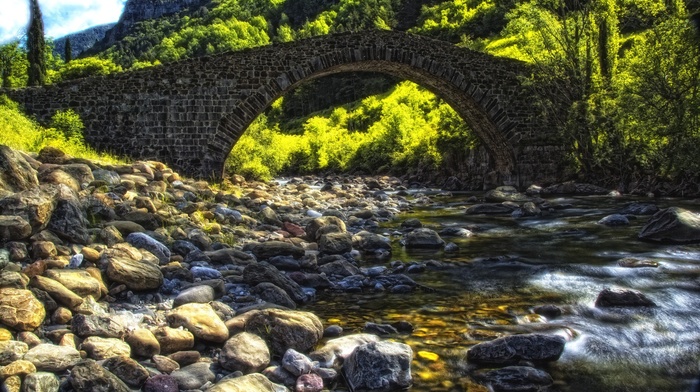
[(510, 265)]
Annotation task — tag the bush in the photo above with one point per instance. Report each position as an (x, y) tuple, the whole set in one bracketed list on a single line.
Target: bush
[(68, 123)]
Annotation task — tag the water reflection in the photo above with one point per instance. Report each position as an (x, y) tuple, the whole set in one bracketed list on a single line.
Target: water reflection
[(489, 288)]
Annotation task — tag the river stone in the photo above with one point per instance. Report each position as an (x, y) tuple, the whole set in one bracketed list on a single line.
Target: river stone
[(201, 320), (12, 350), (125, 228), (187, 357), (490, 209), (516, 378), (142, 240), (423, 238), (505, 193), (640, 209), (248, 383), (281, 329), (68, 221), (78, 281), (164, 364), (336, 351), (108, 176), (196, 294), (265, 250), (230, 256), (128, 370), (194, 376), (268, 292), (147, 220), (137, 275), (12, 279), (573, 188), (320, 225), (40, 382), (513, 349), (19, 367), (335, 243), (55, 175), (19, 309), (340, 268), (263, 272), (35, 206), (99, 348), (87, 375), (245, 352), (11, 384), (14, 228), (143, 342), (379, 366), (161, 383), (672, 225), (57, 291), (16, 174), (370, 242), (173, 339), (614, 220), (620, 297), (296, 363), (309, 382), (53, 358), (635, 262), (97, 325)]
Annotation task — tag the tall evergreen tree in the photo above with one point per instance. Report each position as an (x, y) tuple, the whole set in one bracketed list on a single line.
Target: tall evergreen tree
[(68, 51), (36, 46)]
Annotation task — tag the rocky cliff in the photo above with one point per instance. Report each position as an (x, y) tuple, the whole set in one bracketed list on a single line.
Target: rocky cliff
[(139, 10), (81, 41)]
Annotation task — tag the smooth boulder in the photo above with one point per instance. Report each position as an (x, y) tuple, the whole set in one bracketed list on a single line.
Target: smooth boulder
[(380, 367), (513, 349), (673, 225)]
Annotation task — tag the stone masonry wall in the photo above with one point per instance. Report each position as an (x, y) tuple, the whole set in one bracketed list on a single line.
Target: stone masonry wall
[(190, 113)]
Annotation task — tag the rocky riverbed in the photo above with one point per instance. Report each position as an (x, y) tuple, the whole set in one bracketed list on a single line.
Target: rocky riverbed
[(118, 278)]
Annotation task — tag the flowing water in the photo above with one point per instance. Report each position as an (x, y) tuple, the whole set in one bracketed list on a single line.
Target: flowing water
[(489, 288)]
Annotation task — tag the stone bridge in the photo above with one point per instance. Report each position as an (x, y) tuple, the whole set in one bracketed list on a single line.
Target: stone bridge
[(190, 113)]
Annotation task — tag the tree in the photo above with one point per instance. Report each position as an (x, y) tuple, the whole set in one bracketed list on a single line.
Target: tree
[(36, 46), (68, 51), (11, 59)]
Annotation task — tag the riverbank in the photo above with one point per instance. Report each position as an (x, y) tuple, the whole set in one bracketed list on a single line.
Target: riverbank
[(131, 277)]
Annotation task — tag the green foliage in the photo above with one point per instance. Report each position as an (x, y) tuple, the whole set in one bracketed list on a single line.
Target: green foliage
[(68, 123), (13, 65), (85, 67), (20, 132), (407, 127), (454, 20)]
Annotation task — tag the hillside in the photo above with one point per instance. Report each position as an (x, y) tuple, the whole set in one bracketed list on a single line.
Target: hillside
[(627, 68)]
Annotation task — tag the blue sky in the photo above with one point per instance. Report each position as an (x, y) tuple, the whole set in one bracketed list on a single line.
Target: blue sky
[(61, 17)]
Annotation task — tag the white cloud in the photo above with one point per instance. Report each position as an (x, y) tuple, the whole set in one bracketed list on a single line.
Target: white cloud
[(61, 17)]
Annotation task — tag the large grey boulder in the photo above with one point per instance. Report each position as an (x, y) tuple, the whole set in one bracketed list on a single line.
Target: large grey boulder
[(673, 225), (379, 367), (513, 349), (34, 205), (68, 219), (423, 238), (88, 375), (16, 174), (611, 297), (254, 274)]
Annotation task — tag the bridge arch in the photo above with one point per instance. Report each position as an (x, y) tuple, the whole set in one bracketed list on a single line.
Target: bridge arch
[(190, 113)]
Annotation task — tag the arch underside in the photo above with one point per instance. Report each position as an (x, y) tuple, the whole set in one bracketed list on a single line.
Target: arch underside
[(485, 116)]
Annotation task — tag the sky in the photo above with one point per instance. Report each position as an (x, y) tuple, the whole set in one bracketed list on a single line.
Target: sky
[(61, 17)]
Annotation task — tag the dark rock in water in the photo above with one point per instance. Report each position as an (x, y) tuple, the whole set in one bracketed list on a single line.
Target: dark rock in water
[(381, 367), (516, 378), (640, 209), (490, 209), (672, 225), (379, 329), (268, 292), (263, 272), (183, 247), (505, 193), (403, 326), (513, 349), (614, 220), (332, 331), (229, 256), (339, 268), (148, 220), (16, 174), (265, 250), (455, 231), (88, 375), (335, 243), (142, 240), (423, 238), (573, 188), (411, 223), (634, 262), (548, 311), (623, 298)]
